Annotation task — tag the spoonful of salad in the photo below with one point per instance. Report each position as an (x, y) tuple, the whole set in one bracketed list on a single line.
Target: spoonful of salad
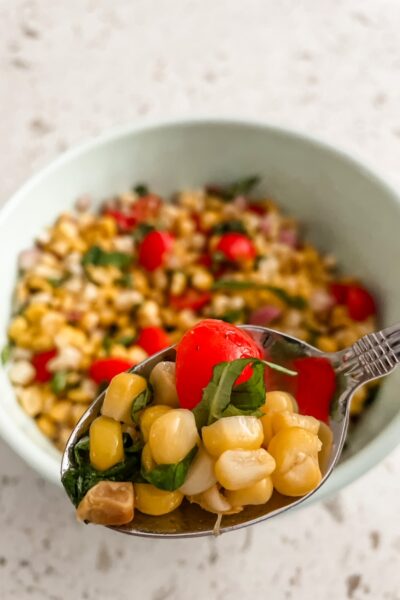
[(230, 427)]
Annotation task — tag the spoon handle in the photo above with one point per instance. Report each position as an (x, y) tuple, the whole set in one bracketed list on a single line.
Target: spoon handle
[(372, 356)]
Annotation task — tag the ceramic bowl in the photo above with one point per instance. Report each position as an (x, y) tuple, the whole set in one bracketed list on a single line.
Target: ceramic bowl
[(346, 209)]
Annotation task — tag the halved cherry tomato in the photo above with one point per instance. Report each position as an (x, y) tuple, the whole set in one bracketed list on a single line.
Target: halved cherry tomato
[(236, 247), (40, 362), (339, 292), (205, 345), (358, 300), (146, 208), (191, 299), (205, 260), (315, 386), (153, 249), (104, 369), (125, 222), (153, 339)]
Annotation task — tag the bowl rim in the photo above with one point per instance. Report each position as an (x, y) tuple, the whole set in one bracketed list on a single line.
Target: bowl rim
[(37, 456)]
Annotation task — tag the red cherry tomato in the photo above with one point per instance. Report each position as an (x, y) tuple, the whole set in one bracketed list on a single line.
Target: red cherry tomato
[(125, 222), (360, 303), (146, 208), (204, 346), (236, 247), (153, 249), (40, 362), (315, 386), (258, 209), (205, 260), (339, 292), (153, 339), (191, 299), (104, 369)]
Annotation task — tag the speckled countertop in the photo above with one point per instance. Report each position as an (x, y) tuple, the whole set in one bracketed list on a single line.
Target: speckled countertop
[(71, 69)]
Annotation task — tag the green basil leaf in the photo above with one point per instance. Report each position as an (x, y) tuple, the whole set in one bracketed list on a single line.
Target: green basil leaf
[(238, 284), (81, 450), (241, 187), (131, 445), (170, 477), (234, 225), (141, 230), (233, 316), (126, 280), (233, 411), (250, 395), (217, 395), (59, 382), (126, 340), (139, 403), (141, 189), (6, 354), (99, 257)]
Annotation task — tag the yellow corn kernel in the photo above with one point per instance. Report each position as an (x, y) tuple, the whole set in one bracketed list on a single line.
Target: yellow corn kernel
[(231, 433), (122, 391), (284, 419), (77, 411), (40, 342), (148, 462), (278, 401), (149, 416), (35, 312), (172, 436), (237, 469), (327, 344), (63, 437), (162, 379), (326, 437), (60, 412), (18, 326), (47, 427), (38, 283), (152, 501), (258, 493), (108, 503), (106, 447), (201, 475), (295, 451), (31, 400), (357, 402), (80, 395), (71, 336)]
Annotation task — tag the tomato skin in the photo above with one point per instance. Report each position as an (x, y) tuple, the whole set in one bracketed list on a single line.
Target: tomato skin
[(153, 339), (104, 369), (201, 348), (125, 222), (236, 247), (153, 249), (191, 299), (40, 362), (360, 303), (144, 209), (339, 292), (315, 386)]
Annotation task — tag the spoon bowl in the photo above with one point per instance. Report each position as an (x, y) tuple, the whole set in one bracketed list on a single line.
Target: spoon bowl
[(370, 357)]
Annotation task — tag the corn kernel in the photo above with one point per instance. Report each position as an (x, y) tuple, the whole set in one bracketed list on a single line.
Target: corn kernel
[(152, 501), (201, 474), (278, 401), (280, 420), (258, 493), (295, 451), (326, 438), (327, 344), (18, 326), (47, 427), (213, 501), (31, 400), (149, 416), (122, 391), (231, 433), (60, 412), (148, 462), (237, 469), (172, 436), (106, 447), (162, 379)]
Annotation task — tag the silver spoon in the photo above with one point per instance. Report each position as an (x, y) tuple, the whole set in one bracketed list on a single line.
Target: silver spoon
[(372, 356)]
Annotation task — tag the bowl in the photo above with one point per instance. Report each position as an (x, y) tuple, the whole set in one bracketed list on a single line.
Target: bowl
[(346, 209)]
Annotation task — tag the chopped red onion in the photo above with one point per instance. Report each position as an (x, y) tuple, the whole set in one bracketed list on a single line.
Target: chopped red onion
[(265, 315)]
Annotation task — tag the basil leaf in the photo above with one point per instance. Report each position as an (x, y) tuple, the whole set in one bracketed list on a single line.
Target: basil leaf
[(233, 411), (59, 382), (217, 394), (5, 354), (239, 284), (141, 189), (170, 477), (126, 280), (126, 340), (99, 257), (131, 445), (250, 394), (56, 282), (233, 225), (232, 316), (241, 187), (139, 403), (81, 450), (141, 230)]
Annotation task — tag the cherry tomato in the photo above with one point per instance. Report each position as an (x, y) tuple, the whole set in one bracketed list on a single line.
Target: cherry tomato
[(40, 362), (257, 208), (205, 260), (153, 249), (236, 247), (104, 369), (360, 303), (201, 348), (146, 208), (191, 299), (339, 292), (153, 339), (315, 386), (125, 222)]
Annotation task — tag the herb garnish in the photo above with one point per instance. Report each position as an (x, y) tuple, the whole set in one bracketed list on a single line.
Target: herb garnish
[(239, 284), (5, 354), (170, 477), (139, 403), (241, 187), (234, 225), (141, 189), (100, 258)]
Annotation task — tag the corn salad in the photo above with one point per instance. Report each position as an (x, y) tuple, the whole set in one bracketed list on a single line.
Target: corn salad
[(102, 290)]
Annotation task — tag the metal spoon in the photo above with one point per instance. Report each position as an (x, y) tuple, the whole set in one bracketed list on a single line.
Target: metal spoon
[(372, 356)]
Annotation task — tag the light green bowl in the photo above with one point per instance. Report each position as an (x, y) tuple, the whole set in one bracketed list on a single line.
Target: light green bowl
[(345, 207)]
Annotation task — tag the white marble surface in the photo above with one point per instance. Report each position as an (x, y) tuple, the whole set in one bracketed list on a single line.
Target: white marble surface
[(71, 69)]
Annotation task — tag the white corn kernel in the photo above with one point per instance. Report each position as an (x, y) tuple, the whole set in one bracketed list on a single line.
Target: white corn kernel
[(128, 298), (162, 379), (172, 436), (201, 474), (178, 283), (212, 500), (148, 314), (237, 469), (22, 372), (31, 400), (231, 433)]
